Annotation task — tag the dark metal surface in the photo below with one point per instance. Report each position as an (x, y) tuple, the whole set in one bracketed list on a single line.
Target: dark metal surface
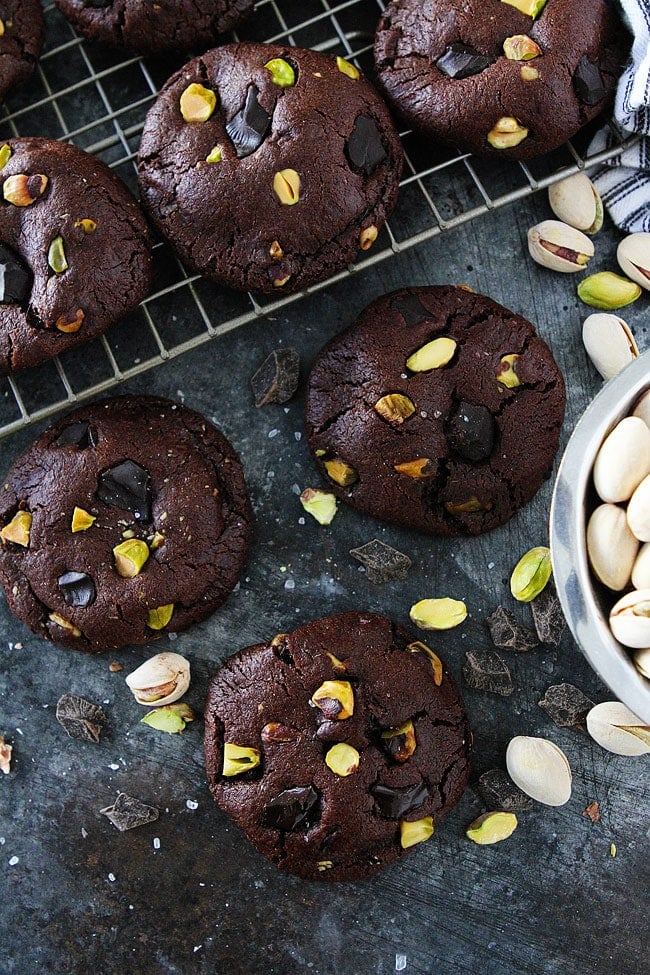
[(80, 897)]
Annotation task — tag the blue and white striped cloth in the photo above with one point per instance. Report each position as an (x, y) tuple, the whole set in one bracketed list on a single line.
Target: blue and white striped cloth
[(624, 181)]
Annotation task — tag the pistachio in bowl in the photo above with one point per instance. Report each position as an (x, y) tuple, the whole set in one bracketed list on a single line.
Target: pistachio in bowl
[(601, 562)]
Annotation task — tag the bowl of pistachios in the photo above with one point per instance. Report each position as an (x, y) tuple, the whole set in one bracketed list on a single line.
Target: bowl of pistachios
[(600, 535)]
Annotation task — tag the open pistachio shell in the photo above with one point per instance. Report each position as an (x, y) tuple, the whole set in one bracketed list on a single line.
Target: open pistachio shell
[(633, 256), (160, 680), (540, 769), (559, 247), (611, 546), (623, 460), (609, 343), (576, 201), (629, 619), (607, 724)]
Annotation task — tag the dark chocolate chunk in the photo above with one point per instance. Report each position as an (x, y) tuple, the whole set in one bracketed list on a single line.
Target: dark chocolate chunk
[(276, 380), (471, 432), (508, 633), (248, 128), (80, 718), (15, 278), (291, 809), (462, 61), (126, 485), (588, 82), (383, 563), (498, 791), (486, 670), (78, 589), (566, 705), (79, 435), (394, 802), (127, 812), (548, 616), (410, 308), (364, 148)]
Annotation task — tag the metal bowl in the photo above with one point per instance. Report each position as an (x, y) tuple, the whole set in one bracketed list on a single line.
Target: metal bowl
[(585, 603)]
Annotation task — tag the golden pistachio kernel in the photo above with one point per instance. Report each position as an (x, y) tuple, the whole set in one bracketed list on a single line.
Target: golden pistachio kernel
[(418, 467), (171, 718), (18, 529), (215, 155), (463, 507), (81, 520), (530, 7), (342, 759), (64, 624), (491, 827), (5, 155), (531, 573), (155, 541), (286, 186), (130, 556), (56, 256), (506, 133), (281, 281), (23, 190), (414, 832), (238, 759), (340, 472), (319, 504), (2, 28), (282, 74), (367, 237), (197, 103), (400, 742), (324, 865), (160, 616), (345, 67), (335, 698), (607, 290), (336, 663), (433, 355), (520, 47), (438, 614), (275, 251), (87, 225), (528, 73), (70, 323), (436, 663), (395, 408), (506, 374)]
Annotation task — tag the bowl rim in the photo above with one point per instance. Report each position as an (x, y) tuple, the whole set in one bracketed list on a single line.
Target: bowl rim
[(568, 538)]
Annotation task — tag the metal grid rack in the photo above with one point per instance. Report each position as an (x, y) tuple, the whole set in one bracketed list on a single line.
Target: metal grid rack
[(98, 99)]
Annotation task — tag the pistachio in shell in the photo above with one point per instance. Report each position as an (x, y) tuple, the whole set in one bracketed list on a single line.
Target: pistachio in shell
[(609, 343), (558, 246), (576, 201), (160, 680), (633, 256), (611, 546), (540, 769)]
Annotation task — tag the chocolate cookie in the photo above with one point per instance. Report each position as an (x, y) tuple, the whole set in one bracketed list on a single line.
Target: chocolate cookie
[(438, 410), (74, 250), (510, 77), (336, 747), (268, 167), (150, 28), (127, 517), (21, 39)]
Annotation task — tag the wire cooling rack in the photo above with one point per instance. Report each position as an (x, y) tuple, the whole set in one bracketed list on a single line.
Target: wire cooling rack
[(98, 99)]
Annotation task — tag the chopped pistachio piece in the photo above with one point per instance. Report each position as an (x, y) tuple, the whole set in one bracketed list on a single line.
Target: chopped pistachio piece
[(319, 504), (436, 663), (342, 759), (5, 756), (491, 827), (5, 155), (282, 74), (160, 616), (345, 67), (238, 759), (335, 698), (286, 186), (130, 557), (417, 468), (435, 354), (18, 529), (438, 614), (367, 237), (215, 155), (415, 832), (507, 375), (340, 472), (87, 225), (64, 624), (395, 408), (531, 7), (81, 520), (22, 190), (171, 718), (197, 103), (531, 573), (528, 73), (71, 322), (506, 133), (56, 256), (520, 47), (400, 742)]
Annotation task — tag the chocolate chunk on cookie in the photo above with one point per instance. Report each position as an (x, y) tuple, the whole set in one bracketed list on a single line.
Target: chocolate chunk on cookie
[(21, 40), (268, 167), (510, 77), (126, 518), (75, 254), (438, 409), (152, 28), (336, 747)]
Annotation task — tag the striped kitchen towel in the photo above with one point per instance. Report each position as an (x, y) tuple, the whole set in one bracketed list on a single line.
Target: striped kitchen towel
[(624, 181)]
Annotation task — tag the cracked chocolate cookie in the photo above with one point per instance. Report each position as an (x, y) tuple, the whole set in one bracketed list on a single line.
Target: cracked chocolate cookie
[(127, 518), (438, 409), (336, 747), (268, 167), (510, 77), (74, 250), (21, 39), (151, 28)]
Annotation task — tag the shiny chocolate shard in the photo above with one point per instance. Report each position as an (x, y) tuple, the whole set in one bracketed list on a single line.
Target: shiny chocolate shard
[(128, 486), (249, 127)]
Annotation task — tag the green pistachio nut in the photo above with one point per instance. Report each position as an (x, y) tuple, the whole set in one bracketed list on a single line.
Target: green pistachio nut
[(531, 573), (282, 74), (607, 290)]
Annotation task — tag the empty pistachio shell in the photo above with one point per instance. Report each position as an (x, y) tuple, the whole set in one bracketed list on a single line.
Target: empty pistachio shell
[(531, 573), (576, 201), (641, 568), (611, 546), (623, 460), (609, 343), (607, 290), (642, 407), (540, 769), (641, 660), (558, 246), (160, 680), (415, 832), (638, 511), (607, 724), (438, 614), (629, 619), (491, 827), (633, 256), (319, 504)]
